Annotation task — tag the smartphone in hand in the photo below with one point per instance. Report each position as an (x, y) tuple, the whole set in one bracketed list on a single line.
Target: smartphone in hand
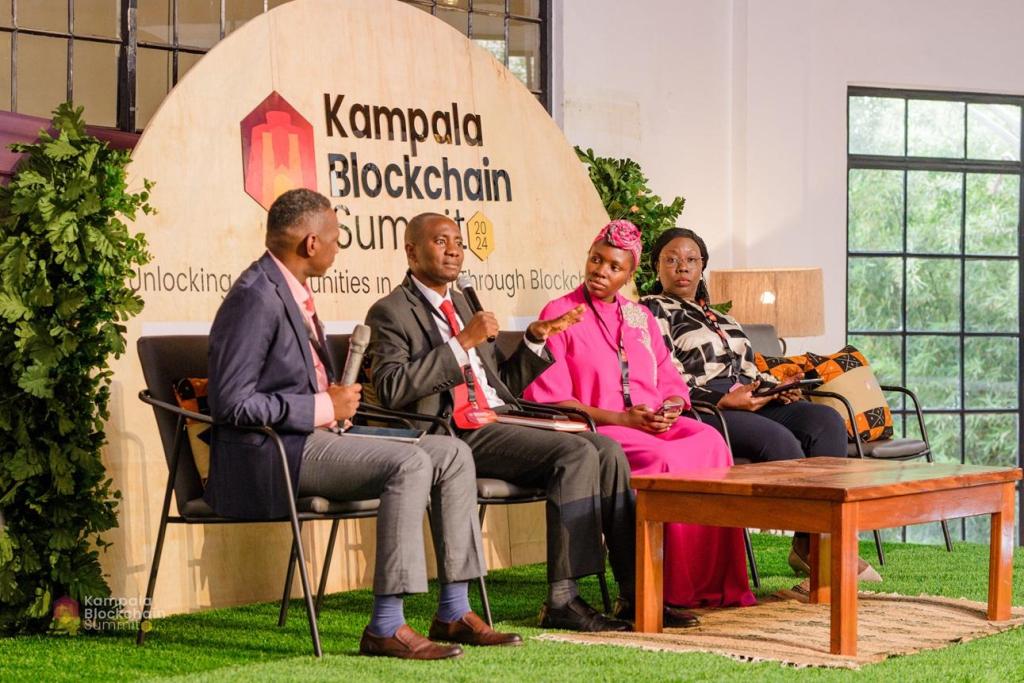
[(669, 407)]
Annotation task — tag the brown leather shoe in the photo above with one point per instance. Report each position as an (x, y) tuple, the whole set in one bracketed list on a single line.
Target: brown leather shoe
[(405, 644), (471, 630)]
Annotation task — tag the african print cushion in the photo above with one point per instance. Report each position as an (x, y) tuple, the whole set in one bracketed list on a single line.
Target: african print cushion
[(781, 368), (848, 374), (190, 393)]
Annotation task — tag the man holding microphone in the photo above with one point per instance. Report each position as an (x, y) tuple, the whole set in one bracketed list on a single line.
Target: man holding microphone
[(433, 354), (269, 365)]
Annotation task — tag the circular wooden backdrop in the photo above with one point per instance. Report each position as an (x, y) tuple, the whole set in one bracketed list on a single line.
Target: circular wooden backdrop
[(208, 229)]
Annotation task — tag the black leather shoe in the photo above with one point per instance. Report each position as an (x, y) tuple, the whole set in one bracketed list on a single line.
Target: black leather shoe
[(672, 617), (577, 615)]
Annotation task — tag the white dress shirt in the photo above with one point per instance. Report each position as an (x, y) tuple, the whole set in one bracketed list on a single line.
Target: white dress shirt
[(464, 358)]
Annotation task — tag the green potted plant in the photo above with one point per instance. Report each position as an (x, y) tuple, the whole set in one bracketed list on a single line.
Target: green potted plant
[(65, 258), (626, 193)]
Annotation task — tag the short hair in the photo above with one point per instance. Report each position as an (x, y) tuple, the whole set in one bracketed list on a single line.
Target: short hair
[(291, 208), (418, 223)]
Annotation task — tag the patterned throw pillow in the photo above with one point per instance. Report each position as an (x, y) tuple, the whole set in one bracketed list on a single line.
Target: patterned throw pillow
[(191, 395), (848, 374), (780, 368)]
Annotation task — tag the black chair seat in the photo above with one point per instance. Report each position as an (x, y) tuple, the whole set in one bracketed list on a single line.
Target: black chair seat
[(490, 489), (198, 508), (893, 449)]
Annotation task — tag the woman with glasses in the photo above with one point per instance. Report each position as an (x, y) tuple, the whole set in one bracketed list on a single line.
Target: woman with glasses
[(717, 362), (614, 365)]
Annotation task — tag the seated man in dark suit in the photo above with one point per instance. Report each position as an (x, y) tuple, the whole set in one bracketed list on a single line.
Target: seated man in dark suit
[(427, 341), (269, 366)]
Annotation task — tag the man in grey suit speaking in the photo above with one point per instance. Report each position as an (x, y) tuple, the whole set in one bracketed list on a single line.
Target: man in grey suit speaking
[(430, 353), (269, 366)]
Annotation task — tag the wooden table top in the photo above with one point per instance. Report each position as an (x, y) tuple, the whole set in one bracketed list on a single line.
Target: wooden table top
[(834, 479)]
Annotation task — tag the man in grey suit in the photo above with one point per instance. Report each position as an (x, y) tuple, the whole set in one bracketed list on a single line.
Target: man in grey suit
[(427, 345), (269, 366)]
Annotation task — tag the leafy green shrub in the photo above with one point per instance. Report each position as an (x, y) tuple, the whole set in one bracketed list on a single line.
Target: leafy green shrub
[(65, 257), (625, 193)]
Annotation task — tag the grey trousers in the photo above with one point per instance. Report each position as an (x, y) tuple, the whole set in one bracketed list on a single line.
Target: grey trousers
[(438, 470), (587, 480)]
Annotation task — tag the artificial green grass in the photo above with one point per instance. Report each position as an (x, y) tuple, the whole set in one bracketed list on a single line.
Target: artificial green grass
[(245, 643)]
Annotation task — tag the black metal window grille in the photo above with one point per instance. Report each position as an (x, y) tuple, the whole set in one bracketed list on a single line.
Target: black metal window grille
[(514, 31), (965, 336)]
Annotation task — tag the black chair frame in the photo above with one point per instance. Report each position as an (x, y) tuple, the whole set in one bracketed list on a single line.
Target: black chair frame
[(925, 453), (698, 407), (294, 518)]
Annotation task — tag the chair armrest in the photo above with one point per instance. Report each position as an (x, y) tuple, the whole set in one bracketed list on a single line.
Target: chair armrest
[(849, 411), (566, 411), (917, 408), (147, 397), (371, 410), (697, 407)]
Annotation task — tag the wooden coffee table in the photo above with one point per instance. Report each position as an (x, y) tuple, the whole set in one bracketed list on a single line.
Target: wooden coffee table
[(833, 499)]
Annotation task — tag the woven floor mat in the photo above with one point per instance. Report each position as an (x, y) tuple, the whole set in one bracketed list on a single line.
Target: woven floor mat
[(785, 628)]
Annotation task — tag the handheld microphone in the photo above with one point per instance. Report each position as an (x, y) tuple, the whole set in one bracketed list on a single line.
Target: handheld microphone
[(357, 344), (468, 291)]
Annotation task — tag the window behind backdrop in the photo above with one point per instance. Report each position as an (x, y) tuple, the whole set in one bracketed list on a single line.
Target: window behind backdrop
[(94, 53)]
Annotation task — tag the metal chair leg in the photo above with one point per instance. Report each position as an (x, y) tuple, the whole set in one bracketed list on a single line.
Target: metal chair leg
[(327, 565), (878, 547), (482, 583), (754, 575), (314, 631), (289, 577), (151, 586), (606, 598), (140, 637), (946, 536)]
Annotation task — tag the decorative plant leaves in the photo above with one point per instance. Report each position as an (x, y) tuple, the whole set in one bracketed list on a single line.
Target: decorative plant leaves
[(66, 256), (625, 193)]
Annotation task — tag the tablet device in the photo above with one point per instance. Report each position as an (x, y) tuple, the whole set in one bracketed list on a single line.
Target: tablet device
[(779, 388), (404, 435)]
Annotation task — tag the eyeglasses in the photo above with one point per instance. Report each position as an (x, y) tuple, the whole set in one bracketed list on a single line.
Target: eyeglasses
[(690, 262)]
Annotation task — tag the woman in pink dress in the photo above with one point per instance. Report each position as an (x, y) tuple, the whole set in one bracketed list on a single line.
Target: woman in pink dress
[(614, 365)]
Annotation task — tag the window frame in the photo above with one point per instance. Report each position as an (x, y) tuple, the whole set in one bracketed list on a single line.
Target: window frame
[(964, 166), (129, 45)]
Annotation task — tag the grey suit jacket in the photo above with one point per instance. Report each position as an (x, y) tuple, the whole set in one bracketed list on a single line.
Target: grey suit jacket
[(412, 369), (261, 373)]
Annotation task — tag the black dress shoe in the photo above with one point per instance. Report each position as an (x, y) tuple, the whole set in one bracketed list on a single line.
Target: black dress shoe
[(577, 615), (672, 617)]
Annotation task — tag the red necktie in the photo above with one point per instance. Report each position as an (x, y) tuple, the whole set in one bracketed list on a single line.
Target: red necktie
[(471, 409)]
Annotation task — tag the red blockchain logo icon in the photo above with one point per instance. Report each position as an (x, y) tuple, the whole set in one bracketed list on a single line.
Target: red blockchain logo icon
[(277, 151)]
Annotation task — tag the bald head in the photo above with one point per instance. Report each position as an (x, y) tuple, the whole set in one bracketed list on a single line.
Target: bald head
[(433, 247), (416, 230)]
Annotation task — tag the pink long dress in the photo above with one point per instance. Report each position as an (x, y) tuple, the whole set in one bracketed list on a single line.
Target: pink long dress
[(704, 566)]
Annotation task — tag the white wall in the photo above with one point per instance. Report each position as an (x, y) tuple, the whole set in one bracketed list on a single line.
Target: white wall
[(741, 106), (650, 81)]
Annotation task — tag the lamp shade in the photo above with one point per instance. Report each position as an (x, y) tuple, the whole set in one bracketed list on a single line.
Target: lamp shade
[(791, 299)]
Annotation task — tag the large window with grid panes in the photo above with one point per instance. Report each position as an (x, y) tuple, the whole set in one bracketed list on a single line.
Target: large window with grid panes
[(933, 269), (119, 58)]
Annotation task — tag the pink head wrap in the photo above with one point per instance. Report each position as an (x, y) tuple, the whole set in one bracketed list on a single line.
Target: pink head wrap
[(623, 235)]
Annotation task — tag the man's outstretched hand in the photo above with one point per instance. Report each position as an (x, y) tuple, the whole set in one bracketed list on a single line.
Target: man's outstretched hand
[(542, 329)]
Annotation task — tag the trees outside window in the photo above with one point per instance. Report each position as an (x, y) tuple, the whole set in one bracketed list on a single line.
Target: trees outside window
[(933, 267)]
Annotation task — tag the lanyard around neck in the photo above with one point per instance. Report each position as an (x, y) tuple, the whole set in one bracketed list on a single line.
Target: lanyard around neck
[(617, 345)]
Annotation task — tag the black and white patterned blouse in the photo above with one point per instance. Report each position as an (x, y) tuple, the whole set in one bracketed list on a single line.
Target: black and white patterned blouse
[(698, 351)]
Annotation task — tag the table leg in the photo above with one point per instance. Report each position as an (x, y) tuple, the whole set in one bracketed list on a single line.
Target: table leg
[(821, 553), (844, 580), (1000, 559), (650, 555)]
